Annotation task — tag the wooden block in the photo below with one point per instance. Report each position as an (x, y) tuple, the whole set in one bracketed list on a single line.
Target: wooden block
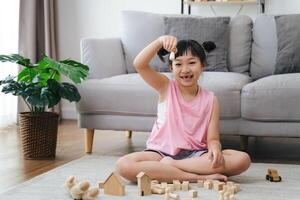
[(189, 198), (167, 196), (185, 186), (208, 184), (226, 195), (101, 184), (193, 193), (177, 185), (153, 182), (164, 184), (230, 190), (229, 183), (200, 183), (218, 186), (169, 189), (222, 192), (172, 187), (174, 196), (231, 197), (114, 185), (237, 188), (157, 190)]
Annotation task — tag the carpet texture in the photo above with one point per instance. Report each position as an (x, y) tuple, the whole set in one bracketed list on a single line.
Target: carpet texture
[(94, 168)]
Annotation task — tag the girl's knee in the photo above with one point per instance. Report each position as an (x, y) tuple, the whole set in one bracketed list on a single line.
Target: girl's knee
[(125, 166), (239, 162), (246, 160), (243, 162)]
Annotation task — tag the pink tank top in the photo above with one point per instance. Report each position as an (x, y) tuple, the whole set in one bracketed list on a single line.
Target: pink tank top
[(186, 122)]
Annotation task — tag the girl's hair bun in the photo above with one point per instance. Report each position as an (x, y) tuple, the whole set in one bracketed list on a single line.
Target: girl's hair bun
[(209, 46), (161, 53)]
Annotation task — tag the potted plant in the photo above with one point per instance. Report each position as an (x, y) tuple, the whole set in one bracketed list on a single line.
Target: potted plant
[(40, 87)]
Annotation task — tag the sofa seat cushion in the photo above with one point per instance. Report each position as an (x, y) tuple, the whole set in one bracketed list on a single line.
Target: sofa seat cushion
[(227, 87), (272, 98), (128, 94)]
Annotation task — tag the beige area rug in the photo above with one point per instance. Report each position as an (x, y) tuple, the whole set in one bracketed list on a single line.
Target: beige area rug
[(48, 186)]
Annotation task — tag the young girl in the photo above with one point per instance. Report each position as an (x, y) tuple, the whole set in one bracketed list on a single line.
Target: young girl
[(184, 143)]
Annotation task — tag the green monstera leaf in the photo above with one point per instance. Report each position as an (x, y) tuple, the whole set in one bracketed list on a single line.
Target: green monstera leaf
[(71, 69), (38, 84)]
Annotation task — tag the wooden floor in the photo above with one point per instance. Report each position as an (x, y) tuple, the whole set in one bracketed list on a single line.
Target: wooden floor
[(14, 169)]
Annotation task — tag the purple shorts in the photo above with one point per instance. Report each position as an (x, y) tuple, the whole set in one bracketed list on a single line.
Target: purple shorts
[(183, 154)]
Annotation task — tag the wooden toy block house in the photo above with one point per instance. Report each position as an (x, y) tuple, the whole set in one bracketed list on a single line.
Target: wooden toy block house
[(144, 184), (114, 185)]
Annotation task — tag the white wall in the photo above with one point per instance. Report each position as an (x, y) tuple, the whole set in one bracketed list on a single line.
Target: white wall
[(77, 19)]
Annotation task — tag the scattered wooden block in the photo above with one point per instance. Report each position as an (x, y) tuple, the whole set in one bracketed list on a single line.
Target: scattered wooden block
[(174, 196), (237, 188), (101, 184), (208, 184), (153, 182), (114, 185), (169, 189), (231, 197), (229, 183), (185, 186), (218, 186), (177, 185), (157, 189), (172, 187), (144, 184), (200, 183), (193, 193), (230, 190), (164, 184)]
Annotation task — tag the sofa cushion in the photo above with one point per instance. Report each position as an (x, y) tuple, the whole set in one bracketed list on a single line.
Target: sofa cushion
[(288, 34), (130, 95), (273, 98), (201, 29), (133, 27), (138, 30), (240, 42), (227, 87), (264, 47)]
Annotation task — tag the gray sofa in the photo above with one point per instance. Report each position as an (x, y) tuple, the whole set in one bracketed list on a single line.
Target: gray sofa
[(253, 101)]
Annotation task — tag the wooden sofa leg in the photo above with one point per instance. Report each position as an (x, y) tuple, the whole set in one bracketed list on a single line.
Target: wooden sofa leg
[(89, 138), (244, 142), (129, 134)]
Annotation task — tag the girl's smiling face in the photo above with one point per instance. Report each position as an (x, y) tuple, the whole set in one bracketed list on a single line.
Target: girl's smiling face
[(187, 69)]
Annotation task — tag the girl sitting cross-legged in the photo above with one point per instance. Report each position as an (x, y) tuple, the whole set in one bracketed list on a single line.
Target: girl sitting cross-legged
[(184, 143)]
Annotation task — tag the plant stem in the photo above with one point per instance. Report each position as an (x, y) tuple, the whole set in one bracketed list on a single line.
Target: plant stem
[(30, 107), (53, 74)]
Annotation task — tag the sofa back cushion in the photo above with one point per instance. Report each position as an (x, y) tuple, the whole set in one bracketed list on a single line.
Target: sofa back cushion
[(264, 47), (240, 42), (141, 28), (202, 29), (138, 30), (288, 35)]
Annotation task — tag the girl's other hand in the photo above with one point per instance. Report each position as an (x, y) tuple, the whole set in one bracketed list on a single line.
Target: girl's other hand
[(168, 42), (216, 157)]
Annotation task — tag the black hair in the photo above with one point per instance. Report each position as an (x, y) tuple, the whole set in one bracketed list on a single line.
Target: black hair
[(196, 49)]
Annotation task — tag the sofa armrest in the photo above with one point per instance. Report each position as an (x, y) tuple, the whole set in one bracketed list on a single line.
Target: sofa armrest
[(104, 57)]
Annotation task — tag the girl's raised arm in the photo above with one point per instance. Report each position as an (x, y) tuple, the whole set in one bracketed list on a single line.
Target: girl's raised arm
[(141, 63)]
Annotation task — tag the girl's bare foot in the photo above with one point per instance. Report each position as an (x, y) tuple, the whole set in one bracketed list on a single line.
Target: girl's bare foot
[(219, 177)]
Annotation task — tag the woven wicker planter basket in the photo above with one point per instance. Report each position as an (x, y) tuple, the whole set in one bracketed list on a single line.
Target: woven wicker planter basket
[(38, 134)]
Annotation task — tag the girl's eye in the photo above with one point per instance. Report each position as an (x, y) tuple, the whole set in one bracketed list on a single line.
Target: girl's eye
[(192, 63), (177, 64)]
